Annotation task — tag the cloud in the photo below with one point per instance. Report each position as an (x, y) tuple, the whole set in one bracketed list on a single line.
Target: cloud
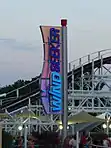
[(19, 60)]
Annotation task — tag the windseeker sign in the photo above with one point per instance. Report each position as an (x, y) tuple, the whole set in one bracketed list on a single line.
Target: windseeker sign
[(51, 78)]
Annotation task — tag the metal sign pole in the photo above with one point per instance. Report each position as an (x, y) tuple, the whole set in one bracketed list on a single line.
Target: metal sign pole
[(25, 136), (64, 70)]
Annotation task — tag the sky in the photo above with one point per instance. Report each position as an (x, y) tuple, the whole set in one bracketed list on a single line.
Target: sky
[(21, 50)]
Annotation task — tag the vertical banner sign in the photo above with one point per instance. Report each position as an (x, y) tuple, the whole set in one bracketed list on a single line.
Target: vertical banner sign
[(51, 78)]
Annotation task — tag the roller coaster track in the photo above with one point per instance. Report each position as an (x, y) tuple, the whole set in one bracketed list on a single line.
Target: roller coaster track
[(84, 66)]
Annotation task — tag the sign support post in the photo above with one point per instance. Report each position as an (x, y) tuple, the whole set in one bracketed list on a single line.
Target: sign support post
[(64, 83)]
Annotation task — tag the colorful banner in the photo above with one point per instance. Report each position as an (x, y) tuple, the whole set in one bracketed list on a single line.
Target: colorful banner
[(51, 78)]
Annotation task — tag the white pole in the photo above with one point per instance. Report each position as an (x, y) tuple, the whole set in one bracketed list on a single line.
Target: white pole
[(64, 82), (77, 139), (107, 127), (25, 136), (73, 129), (29, 122)]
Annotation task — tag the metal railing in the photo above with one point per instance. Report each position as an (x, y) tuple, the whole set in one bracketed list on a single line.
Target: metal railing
[(89, 58)]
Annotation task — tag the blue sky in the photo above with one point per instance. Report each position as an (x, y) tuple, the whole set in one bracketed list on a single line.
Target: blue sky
[(21, 53)]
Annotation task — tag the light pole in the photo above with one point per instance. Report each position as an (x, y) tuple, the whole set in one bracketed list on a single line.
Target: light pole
[(64, 71), (25, 136)]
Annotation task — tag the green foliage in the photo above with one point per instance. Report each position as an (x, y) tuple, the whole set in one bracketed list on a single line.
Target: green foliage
[(16, 85), (19, 84)]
